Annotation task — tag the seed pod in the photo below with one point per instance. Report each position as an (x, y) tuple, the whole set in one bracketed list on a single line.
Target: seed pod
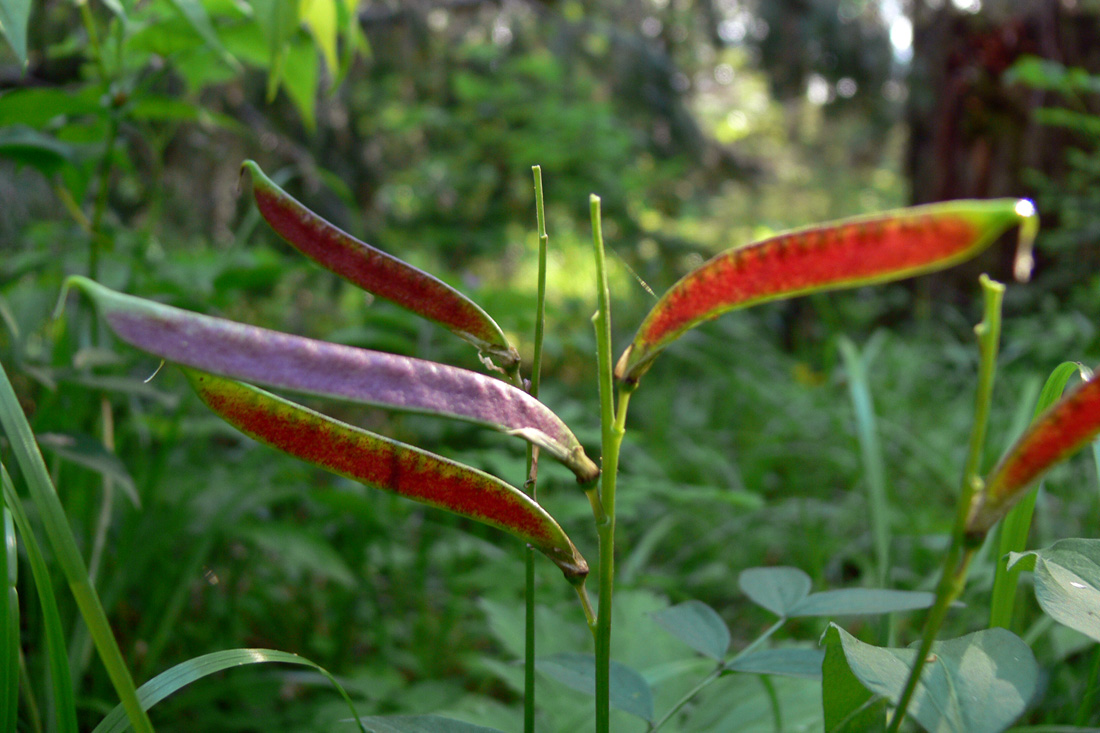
[(283, 361), (859, 251), (386, 464), (1069, 425), (375, 271)]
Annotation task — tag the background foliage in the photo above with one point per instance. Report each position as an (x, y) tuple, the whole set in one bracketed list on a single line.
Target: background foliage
[(701, 125)]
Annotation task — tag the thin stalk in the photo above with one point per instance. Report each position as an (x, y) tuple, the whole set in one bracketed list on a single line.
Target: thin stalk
[(773, 698), (957, 562), (93, 37), (95, 226), (103, 522), (529, 636), (688, 696), (586, 606), (65, 196), (540, 307), (100, 208), (714, 675), (533, 468)]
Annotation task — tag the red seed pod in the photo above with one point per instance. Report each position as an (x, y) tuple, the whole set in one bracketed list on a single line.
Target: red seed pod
[(849, 253), (386, 464), (1069, 425), (376, 271)]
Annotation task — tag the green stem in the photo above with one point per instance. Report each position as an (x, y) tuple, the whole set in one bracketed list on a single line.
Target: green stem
[(715, 674), (612, 425), (989, 339), (533, 468), (586, 606), (957, 562), (687, 697), (104, 180), (529, 639), (950, 588), (103, 522), (540, 307)]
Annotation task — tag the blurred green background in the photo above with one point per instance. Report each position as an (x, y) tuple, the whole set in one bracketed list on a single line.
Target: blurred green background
[(702, 125)]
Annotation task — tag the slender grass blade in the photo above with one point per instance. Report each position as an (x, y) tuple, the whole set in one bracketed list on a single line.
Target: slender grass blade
[(172, 680), (65, 551), (57, 656), (9, 623)]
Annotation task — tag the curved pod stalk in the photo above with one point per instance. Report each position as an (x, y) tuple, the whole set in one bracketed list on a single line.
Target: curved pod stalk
[(848, 253), (375, 271), (299, 364), (1055, 435), (386, 464)]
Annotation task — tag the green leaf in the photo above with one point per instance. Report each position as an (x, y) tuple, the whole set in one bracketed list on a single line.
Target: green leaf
[(195, 13), (777, 589), (978, 683), (354, 42), (1067, 582), (792, 662), (849, 707), (158, 108), (697, 625), (1055, 386), (852, 252), (45, 153), (170, 681), (9, 622), (278, 20), (88, 452), (420, 724), (14, 15), (860, 602), (320, 17), (115, 6), (1038, 73), (300, 79), (629, 690), (40, 106)]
